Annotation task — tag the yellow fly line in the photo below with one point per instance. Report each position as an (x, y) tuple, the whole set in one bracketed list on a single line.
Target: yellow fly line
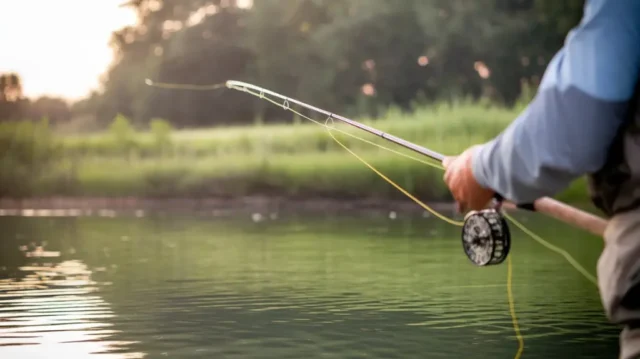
[(286, 105)]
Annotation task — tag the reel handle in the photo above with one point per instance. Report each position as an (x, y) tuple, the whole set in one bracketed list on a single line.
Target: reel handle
[(560, 211)]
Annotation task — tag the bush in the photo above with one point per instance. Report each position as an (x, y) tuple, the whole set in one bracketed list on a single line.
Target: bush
[(163, 181), (28, 151), (161, 130), (299, 160), (123, 133)]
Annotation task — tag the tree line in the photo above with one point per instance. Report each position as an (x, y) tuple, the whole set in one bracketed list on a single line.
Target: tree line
[(354, 57), (14, 106)]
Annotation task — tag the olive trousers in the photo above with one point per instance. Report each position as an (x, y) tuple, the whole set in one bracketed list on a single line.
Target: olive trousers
[(619, 279)]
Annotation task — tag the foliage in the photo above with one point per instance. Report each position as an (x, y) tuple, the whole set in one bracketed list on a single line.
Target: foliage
[(123, 133), (54, 109), (28, 153), (161, 130), (15, 106), (443, 73), (274, 159), (326, 52), (356, 57)]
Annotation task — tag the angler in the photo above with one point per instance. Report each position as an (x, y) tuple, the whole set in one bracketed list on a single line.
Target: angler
[(585, 120)]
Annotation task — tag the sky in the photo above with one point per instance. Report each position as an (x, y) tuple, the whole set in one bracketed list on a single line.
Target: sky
[(39, 40)]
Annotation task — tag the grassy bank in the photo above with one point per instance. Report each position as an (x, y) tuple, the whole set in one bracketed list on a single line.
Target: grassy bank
[(298, 160)]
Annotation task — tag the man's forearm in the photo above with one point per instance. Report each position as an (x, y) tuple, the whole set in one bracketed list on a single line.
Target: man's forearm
[(561, 136)]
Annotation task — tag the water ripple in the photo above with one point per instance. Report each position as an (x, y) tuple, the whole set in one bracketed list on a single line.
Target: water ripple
[(54, 311), (196, 289)]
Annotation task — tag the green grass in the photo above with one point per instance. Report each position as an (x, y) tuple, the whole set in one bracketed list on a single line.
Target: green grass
[(446, 129), (293, 160), (308, 174)]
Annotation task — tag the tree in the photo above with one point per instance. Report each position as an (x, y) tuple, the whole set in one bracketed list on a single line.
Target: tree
[(55, 109), (336, 54), (13, 105)]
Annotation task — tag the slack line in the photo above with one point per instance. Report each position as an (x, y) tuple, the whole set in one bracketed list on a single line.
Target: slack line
[(486, 238)]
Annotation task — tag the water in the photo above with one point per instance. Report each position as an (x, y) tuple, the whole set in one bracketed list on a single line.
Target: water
[(303, 287)]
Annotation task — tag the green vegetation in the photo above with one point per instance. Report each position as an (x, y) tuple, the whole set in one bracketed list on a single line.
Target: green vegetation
[(31, 160), (403, 64), (286, 160)]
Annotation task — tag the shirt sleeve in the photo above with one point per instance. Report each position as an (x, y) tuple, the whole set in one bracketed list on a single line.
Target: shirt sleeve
[(566, 130)]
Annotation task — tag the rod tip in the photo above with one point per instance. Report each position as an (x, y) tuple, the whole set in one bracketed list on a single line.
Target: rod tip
[(148, 82)]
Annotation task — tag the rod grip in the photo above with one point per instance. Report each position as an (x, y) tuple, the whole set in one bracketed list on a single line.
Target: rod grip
[(565, 213)]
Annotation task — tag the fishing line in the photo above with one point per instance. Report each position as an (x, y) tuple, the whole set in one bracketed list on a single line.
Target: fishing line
[(512, 309), (558, 250), (405, 192), (286, 107), (329, 128), (263, 94), (173, 86)]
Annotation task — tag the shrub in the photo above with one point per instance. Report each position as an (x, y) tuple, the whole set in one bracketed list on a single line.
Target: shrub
[(123, 133), (161, 130), (27, 152)]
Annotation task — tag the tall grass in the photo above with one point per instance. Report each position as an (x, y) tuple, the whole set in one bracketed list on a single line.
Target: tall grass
[(446, 128), (291, 160), (30, 159)]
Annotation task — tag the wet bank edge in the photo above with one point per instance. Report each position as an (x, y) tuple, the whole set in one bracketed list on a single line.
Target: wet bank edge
[(217, 206)]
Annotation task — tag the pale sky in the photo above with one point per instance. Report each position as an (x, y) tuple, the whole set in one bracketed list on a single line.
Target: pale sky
[(39, 40)]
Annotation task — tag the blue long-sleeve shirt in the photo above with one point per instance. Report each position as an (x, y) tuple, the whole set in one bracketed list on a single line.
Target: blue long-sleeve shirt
[(566, 130)]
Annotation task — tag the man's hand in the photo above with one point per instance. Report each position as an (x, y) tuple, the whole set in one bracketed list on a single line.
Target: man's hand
[(463, 185)]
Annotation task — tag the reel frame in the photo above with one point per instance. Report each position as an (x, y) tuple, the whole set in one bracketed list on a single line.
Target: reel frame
[(486, 239)]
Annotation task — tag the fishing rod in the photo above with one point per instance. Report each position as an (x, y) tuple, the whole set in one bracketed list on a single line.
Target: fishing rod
[(242, 86), (486, 238)]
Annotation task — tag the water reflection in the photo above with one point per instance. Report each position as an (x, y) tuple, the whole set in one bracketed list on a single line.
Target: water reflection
[(52, 309), (333, 288)]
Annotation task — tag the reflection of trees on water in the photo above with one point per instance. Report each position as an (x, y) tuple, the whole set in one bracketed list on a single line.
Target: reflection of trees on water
[(49, 301)]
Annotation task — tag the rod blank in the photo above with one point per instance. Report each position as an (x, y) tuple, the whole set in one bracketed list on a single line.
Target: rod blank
[(406, 144)]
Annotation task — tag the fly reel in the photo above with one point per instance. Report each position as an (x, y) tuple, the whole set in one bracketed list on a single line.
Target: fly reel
[(485, 237)]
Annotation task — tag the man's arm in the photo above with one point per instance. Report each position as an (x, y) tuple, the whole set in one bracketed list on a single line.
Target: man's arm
[(567, 129)]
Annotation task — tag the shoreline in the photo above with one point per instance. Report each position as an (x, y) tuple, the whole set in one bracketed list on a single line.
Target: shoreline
[(264, 205)]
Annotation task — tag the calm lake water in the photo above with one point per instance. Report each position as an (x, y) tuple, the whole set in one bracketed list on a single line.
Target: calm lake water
[(183, 286)]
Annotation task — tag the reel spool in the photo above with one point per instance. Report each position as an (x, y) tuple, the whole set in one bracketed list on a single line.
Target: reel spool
[(485, 237)]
